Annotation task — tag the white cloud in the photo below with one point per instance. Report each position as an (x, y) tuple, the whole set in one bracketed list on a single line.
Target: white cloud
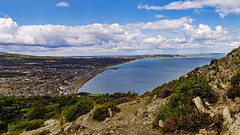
[(205, 33), (155, 40), (62, 4), (222, 7), (99, 39), (159, 16)]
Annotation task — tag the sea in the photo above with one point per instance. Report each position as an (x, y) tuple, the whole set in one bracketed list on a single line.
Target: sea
[(144, 75)]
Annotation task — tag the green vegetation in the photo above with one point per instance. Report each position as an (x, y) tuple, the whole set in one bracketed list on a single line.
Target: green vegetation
[(80, 108), (235, 80), (234, 91), (18, 114), (180, 112), (80, 80), (101, 113)]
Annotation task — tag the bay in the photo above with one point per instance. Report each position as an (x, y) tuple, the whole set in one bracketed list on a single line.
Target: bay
[(144, 75)]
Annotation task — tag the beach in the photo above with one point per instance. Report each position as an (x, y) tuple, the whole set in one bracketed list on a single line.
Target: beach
[(86, 79)]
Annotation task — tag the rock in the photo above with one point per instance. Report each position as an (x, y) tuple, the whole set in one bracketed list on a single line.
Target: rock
[(237, 100), (160, 123), (155, 97), (106, 120), (67, 128), (226, 114), (198, 102), (206, 103), (50, 122), (203, 131), (110, 112), (234, 128)]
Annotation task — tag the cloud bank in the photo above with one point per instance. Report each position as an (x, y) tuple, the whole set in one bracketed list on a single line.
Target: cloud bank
[(102, 39), (222, 7)]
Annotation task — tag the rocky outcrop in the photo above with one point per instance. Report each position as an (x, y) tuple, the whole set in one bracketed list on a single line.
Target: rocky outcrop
[(219, 72), (234, 129), (51, 127)]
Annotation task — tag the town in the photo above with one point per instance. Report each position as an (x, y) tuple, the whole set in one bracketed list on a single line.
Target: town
[(24, 75)]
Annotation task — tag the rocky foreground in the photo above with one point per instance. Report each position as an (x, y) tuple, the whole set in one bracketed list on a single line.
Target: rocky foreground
[(138, 117)]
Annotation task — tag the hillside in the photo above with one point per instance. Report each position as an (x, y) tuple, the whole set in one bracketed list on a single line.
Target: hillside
[(204, 101)]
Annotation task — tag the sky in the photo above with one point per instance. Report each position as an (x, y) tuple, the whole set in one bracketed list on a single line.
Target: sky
[(118, 27)]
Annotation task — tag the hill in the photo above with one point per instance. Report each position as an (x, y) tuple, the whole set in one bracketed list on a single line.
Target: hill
[(204, 101)]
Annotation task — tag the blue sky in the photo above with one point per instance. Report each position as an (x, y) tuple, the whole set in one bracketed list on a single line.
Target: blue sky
[(123, 27)]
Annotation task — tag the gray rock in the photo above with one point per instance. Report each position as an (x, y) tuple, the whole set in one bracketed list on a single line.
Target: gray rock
[(234, 128), (110, 112), (198, 102), (226, 114), (237, 100), (160, 123), (203, 131)]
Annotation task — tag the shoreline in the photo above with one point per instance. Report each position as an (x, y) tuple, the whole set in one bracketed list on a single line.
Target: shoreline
[(85, 80)]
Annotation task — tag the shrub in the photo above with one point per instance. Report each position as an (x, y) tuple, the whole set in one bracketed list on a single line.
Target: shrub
[(25, 125), (190, 121), (165, 92), (122, 100), (235, 80), (213, 96), (180, 107), (38, 111), (83, 106), (170, 124), (101, 113), (233, 92)]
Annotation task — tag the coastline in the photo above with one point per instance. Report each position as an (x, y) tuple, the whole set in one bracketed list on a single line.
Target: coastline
[(86, 79)]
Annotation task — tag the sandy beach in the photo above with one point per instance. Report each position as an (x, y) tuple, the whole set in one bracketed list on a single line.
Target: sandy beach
[(85, 80)]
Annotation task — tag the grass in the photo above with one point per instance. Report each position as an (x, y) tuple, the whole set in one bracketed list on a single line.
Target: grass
[(94, 95), (80, 80)]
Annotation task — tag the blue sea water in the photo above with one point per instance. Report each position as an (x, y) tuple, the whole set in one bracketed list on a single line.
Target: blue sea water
[(144, 75)]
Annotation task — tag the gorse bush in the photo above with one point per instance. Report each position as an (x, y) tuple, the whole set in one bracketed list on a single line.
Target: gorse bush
[(233, 92), (180, 109), (25, 125), (213, 96), (81, 107), (101, 113), (170, 124), (122, 100), (235, 80), (165, 92)]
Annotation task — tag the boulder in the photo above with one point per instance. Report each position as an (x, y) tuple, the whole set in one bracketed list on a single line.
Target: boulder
[(160, 123), (226, 114), (198, 102), (203, 132), (110, 112), (237, 100)]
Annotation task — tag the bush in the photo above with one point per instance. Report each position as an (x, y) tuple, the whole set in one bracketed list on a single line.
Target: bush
[(170, 124), (101, 113), (83, 106), (122, 100), (190, 121), (233, 92), (213, 96), (25, 125), (165, 92), (235, 80), (38, 111), (180, 107)]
